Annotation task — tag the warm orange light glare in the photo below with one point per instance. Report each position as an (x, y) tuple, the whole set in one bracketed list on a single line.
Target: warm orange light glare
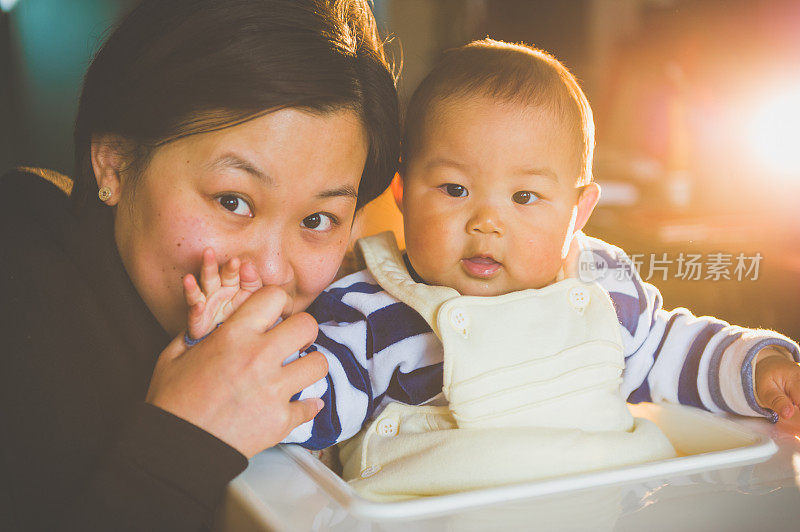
[(775, 134)]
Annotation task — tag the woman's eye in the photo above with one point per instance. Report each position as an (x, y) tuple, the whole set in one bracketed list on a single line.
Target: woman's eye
[(456, 191), (235, 204), (319, 222), (524, 197)]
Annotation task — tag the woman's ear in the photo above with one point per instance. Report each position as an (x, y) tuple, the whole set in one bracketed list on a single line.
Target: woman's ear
[(587, 201), (108, 162), (397, 190)]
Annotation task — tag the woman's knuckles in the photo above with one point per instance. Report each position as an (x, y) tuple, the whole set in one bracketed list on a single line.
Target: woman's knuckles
[(275, 296), (284, 420), (301, 326), (261, 308), (316, 367), (303, 372)]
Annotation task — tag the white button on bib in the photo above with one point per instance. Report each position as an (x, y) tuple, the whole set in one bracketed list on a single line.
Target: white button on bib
[(387, 427)]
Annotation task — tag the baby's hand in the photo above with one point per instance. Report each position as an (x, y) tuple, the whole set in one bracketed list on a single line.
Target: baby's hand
[(778, 385), (221, 291)]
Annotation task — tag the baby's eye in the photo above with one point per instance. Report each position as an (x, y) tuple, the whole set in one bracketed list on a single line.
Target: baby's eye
[(524, 197), (319, 221), (235, 204), (456, 191)]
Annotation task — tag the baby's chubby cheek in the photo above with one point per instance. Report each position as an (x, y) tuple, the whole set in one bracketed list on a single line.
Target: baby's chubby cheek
[(540, 263), (430, 250)]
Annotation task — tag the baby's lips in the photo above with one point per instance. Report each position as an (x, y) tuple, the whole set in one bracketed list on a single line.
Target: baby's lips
[(481, 267), (482, 260)]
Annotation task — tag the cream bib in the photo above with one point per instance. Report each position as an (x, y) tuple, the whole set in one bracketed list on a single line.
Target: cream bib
[(535, 372)]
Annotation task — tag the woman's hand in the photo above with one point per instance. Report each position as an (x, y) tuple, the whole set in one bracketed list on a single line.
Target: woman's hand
[(233, 384)]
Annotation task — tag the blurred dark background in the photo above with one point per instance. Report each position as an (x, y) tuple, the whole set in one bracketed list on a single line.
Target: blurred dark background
[(696, 102)]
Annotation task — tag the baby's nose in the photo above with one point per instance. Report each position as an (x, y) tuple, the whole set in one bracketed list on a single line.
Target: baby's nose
[(486, 221)]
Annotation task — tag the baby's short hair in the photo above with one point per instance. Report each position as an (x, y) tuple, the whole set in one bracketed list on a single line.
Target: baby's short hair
[(516, 73)]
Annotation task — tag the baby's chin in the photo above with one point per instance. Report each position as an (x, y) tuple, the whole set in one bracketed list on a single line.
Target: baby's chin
[(500, 284), (491, 287), (481, 288)]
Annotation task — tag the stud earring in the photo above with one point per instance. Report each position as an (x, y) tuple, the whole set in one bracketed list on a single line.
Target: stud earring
[(104, 193)]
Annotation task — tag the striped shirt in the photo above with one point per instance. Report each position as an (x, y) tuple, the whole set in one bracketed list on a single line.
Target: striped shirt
[(381, 350)]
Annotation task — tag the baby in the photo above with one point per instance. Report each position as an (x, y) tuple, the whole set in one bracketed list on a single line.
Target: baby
[(495, 187)]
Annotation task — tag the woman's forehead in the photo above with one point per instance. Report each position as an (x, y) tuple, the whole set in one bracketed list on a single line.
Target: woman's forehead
[(288, 144)]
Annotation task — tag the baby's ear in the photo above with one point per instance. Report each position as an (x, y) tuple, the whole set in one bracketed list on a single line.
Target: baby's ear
[(397, 190), (109, 156), (587, 201)]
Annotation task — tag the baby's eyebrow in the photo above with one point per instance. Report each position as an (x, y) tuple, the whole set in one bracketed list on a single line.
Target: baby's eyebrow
[(539, 172), (443, 161)]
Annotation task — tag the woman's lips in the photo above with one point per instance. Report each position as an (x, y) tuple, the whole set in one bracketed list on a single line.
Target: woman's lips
[(481, 267)]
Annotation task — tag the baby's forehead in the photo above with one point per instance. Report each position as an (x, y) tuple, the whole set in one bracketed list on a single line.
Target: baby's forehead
[(474, 123), (464, 103)]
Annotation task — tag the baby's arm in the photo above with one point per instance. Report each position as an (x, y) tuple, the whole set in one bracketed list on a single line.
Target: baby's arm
[(345, 392), (376, 348), (347, 389), (677, 357)]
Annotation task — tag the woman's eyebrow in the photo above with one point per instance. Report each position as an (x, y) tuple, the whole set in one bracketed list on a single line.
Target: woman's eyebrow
[(230, 160), (346, 191)]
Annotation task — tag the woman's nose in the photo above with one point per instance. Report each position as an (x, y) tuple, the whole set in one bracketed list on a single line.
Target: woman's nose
[(272, 264), (485, 220), (276, 270)]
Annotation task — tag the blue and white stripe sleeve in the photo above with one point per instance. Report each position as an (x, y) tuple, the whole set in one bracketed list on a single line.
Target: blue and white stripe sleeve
[(677, 357), (345, 392), (376, 348)]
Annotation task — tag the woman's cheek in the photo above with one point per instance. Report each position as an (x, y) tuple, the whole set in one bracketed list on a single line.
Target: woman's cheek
[(185, 248), (192, 236), (316, 274)]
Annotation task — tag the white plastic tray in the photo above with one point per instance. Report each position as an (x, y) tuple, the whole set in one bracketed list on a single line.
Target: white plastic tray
[(702, 440)]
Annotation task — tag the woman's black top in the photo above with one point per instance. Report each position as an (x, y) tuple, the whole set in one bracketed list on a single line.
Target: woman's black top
[(80, 450)]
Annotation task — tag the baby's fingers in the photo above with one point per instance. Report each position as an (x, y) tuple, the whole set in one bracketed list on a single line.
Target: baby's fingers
[(230, 272), (793, 389), (197, 305), (778, 402), (209, 273), (250, 280), (192, 292)]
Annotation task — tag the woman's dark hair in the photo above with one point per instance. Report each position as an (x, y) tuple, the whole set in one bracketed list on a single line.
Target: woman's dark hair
[(180, 67)]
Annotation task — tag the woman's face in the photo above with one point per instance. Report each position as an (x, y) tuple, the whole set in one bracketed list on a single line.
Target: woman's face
[(279, 191)]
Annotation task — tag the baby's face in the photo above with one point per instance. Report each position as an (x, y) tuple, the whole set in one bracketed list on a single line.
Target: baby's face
[(488, 197)]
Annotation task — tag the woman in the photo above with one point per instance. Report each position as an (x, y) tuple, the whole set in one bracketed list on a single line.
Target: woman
[(255, 128)]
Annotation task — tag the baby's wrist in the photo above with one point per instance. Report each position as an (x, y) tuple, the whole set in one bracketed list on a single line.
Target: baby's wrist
[(773, 351), (189, 341)]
